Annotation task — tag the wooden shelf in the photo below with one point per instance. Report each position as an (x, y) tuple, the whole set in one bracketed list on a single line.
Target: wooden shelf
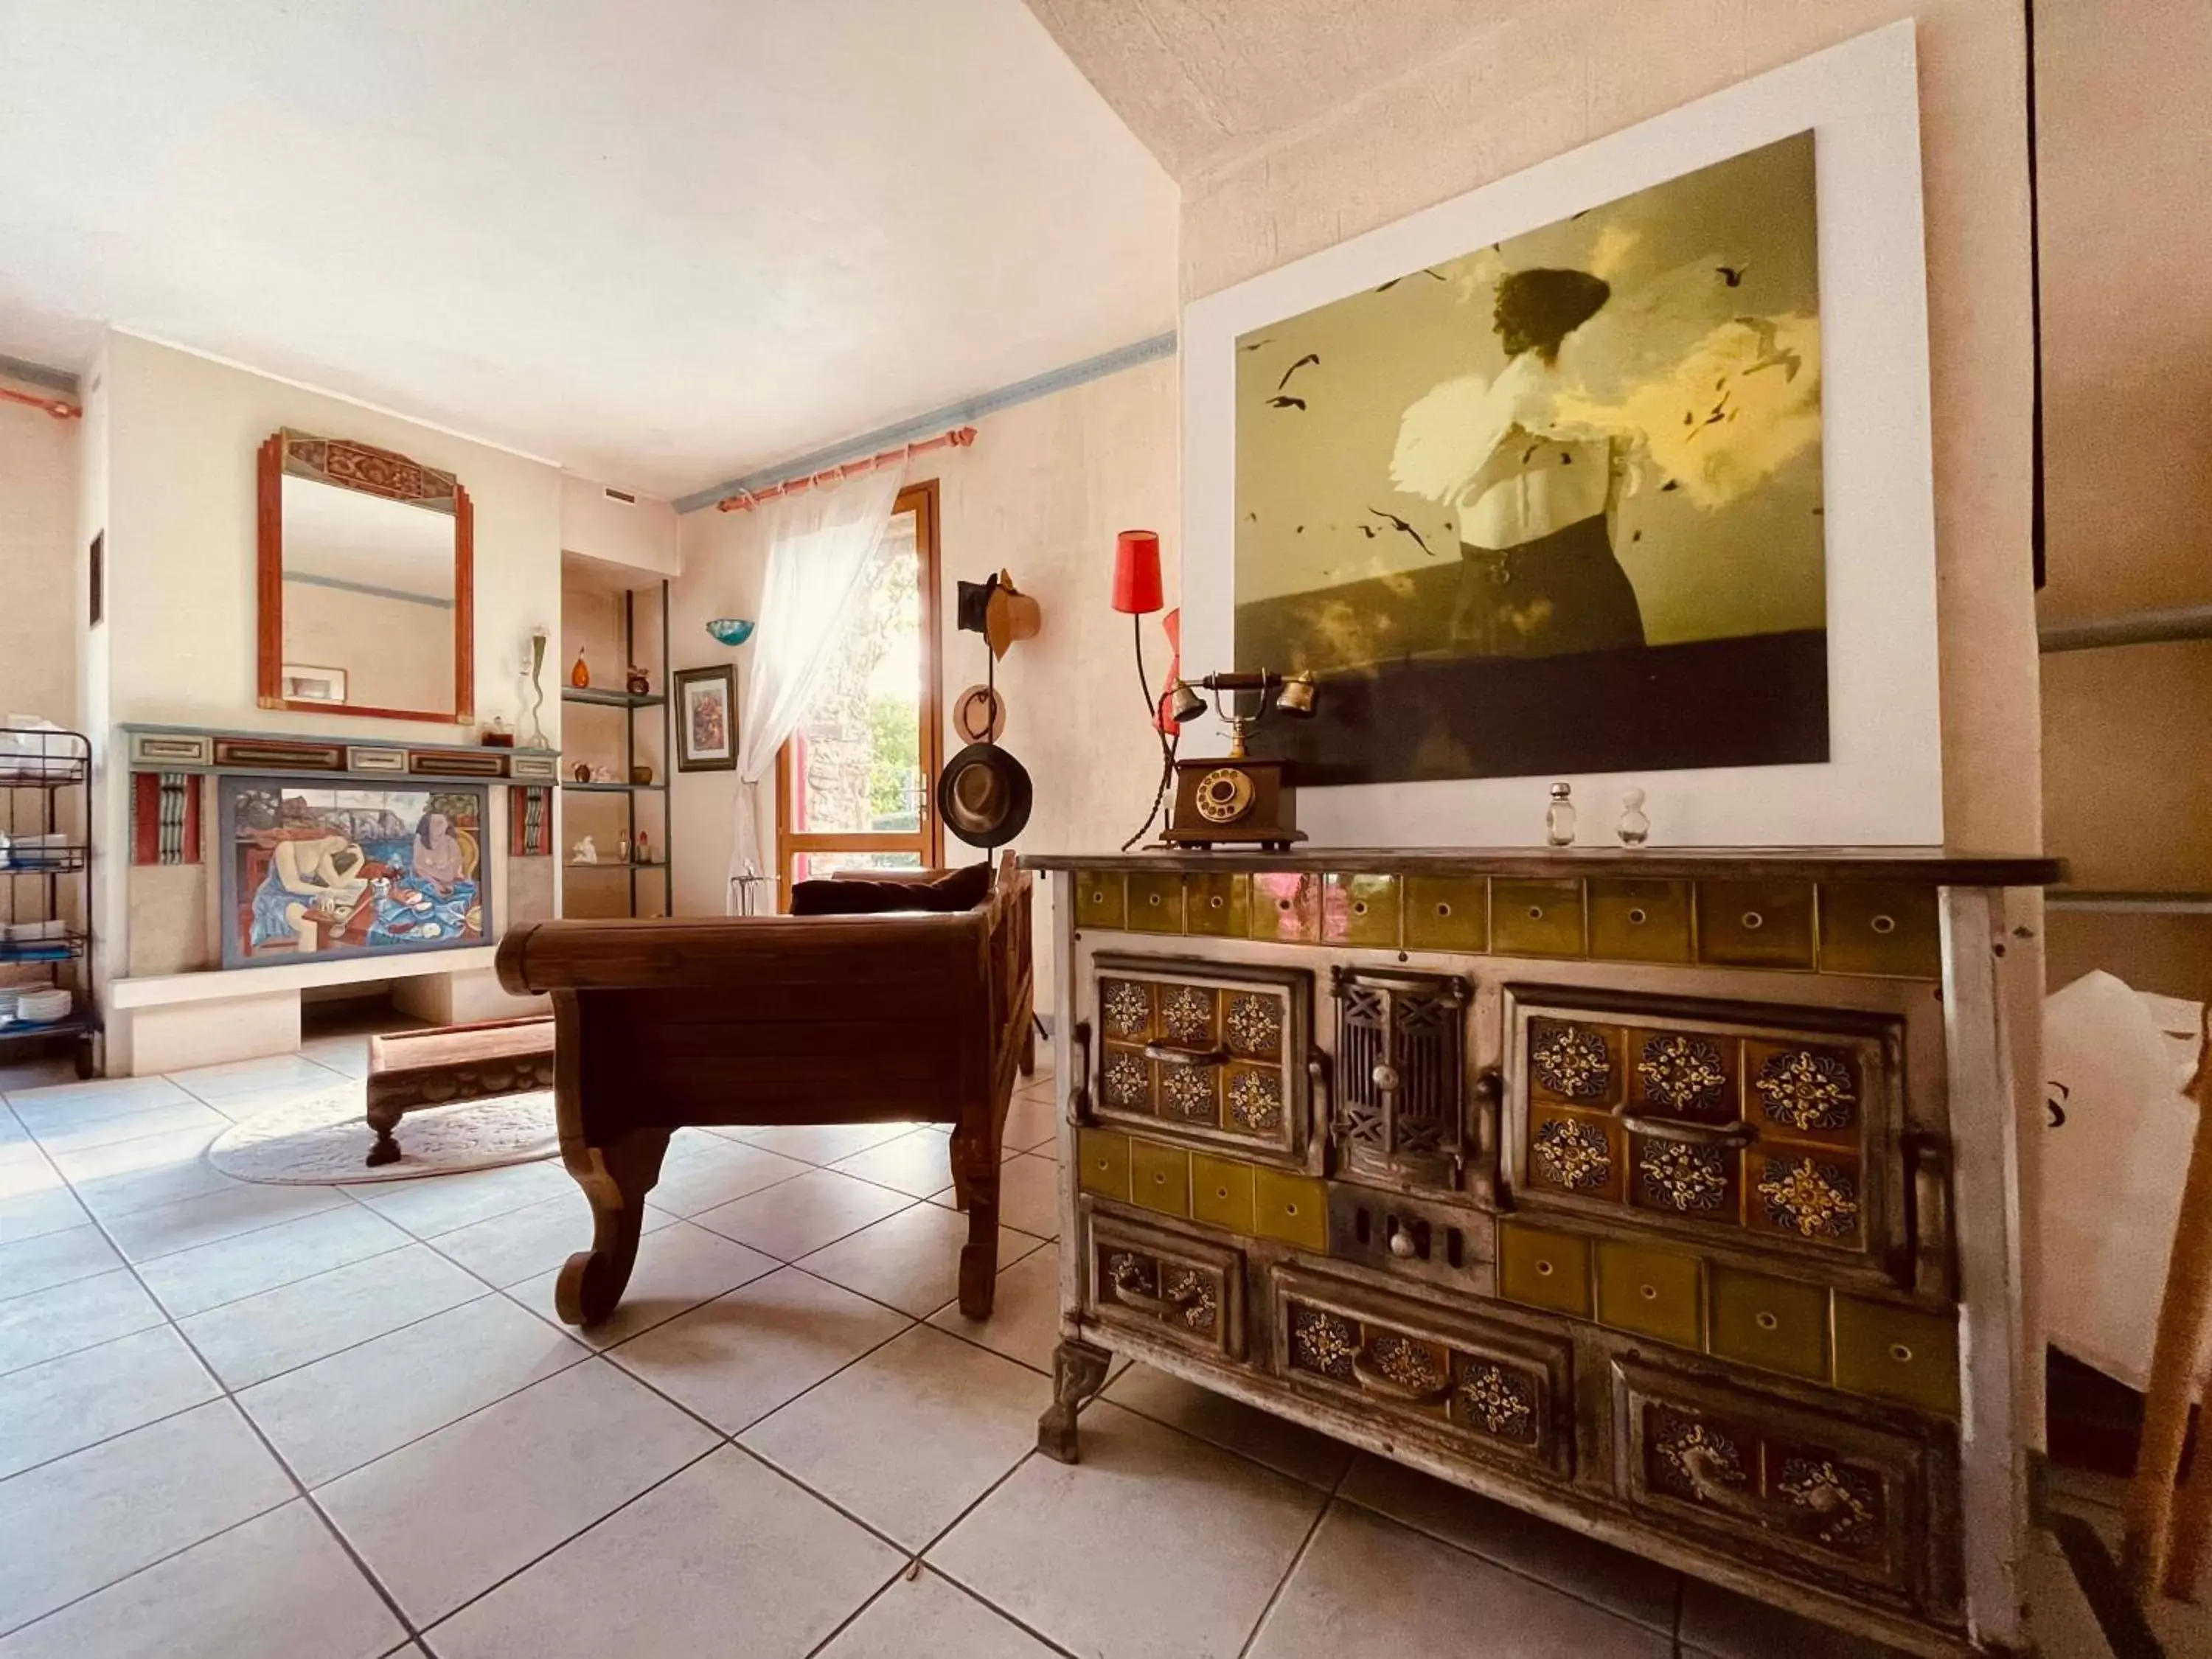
[(613, 789), (592, 694), (616, 864)]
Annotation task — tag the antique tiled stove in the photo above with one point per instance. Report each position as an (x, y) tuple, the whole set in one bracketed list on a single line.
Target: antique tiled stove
[(1668, 1195)]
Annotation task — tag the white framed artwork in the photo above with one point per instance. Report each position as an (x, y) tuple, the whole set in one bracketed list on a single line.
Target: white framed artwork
[(1616, 471)]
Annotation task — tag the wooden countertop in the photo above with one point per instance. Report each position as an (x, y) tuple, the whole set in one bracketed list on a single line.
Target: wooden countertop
[(1907, 864)]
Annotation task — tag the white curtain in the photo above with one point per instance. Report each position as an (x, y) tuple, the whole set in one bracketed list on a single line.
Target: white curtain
[(822, 543)]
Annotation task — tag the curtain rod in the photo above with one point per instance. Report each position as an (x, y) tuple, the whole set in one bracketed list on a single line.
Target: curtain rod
[(958, 438), (61, 409)]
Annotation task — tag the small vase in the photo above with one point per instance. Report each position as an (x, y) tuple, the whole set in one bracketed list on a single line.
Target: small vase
[(1559, 817), (580, 675), (639, 685)]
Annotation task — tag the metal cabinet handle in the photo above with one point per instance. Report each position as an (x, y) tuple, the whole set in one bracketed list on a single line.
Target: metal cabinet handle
[(1739, 1133), (1078, 1086), (1173, 1056), (1489, 1098), (1375, 1382), (1159, 1307)]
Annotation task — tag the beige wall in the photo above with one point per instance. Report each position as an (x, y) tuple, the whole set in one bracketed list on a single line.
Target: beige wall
[(2127, 332), (1041, 493), (641, 533), (173, 483), (39, 566), (1519, 87)]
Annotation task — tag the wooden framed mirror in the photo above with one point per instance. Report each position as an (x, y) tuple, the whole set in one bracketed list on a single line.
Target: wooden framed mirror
[(366, 583)]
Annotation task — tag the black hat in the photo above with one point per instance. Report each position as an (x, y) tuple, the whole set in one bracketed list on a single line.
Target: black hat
[(984, 795)]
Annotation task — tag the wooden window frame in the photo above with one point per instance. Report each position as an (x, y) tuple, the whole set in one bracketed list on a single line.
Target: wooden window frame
[(927, 840)]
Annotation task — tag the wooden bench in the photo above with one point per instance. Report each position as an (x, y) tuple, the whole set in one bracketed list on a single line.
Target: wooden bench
[(412, 1071)]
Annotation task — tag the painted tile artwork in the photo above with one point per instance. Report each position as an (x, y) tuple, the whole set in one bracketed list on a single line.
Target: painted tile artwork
[(1555, 505), (336, 871)]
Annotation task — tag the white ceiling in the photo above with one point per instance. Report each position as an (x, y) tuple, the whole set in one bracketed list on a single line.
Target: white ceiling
[(663, 242)]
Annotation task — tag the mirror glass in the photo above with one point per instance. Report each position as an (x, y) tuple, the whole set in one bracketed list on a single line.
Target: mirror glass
[(368, 599)]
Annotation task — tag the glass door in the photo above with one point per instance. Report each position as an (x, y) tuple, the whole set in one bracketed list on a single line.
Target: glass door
[(855, 781)]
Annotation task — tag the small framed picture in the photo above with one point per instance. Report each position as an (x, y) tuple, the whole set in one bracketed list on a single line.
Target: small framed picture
[(707, 720), (304, 684)]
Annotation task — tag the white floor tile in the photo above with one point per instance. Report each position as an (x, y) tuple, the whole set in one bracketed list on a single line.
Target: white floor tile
[(56, 1105), (75, 1526), (738, 1358), (1155, 1545), (130, 1175), (346, 1055), (47, 1324), (703, 1170), (1031, 1121), (65, 1405), (430, 1206), (1625, 1585), (819, 1143), (245, 1077), (1029, 1195), (930, 1615), (1410, 1596), (35, 1214), (727, 1556), (506, 1250), (257, 1337), (801, 1215), (679, 1267), (443, 1520), (345, 1096), (910, 1259), (1721, 1623), (279, 1587), (24, 1170), (69, 1135), (1025, 1321), (34, 1264), (342, 1412), (909, 1437), (166, 1229), (207, 1276), (918, 1163), (1283, 1446)]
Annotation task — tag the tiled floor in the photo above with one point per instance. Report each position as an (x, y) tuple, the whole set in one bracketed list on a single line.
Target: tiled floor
[(320, 1423)]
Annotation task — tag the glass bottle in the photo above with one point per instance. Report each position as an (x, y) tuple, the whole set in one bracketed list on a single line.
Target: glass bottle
[(1635, 827), (1559, 817), (580, 675)]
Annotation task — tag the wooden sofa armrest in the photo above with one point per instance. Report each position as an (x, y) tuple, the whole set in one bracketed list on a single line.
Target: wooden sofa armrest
[(704, 953)]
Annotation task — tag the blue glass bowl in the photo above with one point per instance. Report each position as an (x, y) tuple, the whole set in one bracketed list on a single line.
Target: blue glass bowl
[(730, 631)]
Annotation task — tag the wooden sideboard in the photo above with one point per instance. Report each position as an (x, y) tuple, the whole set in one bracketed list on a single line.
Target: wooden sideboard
[(1669, 1195)]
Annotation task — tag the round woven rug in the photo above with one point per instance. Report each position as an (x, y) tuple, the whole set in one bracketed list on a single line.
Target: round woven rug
[(320, 1139)]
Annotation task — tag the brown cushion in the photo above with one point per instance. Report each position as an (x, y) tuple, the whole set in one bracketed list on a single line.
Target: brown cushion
[(955, 890)]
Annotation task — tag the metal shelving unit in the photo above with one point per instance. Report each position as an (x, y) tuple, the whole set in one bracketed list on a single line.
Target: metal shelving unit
[(632, 704), (35, 781)]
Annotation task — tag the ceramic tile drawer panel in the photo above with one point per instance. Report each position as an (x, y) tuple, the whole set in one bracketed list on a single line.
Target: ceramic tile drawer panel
[(1639, 921), (1217, 907), (1755, 924), (1151, 1281), (1285, 908), (1905, 1354), (1886, 929), (1101, 899), (1446, 913), (1457, 1380), (1155, 902), (1780, 1482), (1360, 910), (1536, 918), (1211, 1054), (1753, 1132)]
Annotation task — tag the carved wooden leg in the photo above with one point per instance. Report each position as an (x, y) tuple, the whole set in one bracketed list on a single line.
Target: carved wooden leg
[(1029, 1049), (615, 1178), (975, 1186), (384, 1119), (1078, 1371)]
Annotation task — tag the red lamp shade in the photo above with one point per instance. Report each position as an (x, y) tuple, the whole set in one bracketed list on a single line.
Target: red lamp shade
[(1137, 573)]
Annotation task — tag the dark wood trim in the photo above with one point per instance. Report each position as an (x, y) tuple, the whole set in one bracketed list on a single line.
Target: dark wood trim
[(1926, 864), (465, 607), (928, 842), (437, 492), (268, 575)]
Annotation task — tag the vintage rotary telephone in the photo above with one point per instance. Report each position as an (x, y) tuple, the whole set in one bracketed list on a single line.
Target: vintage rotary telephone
[(1235, 797)]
